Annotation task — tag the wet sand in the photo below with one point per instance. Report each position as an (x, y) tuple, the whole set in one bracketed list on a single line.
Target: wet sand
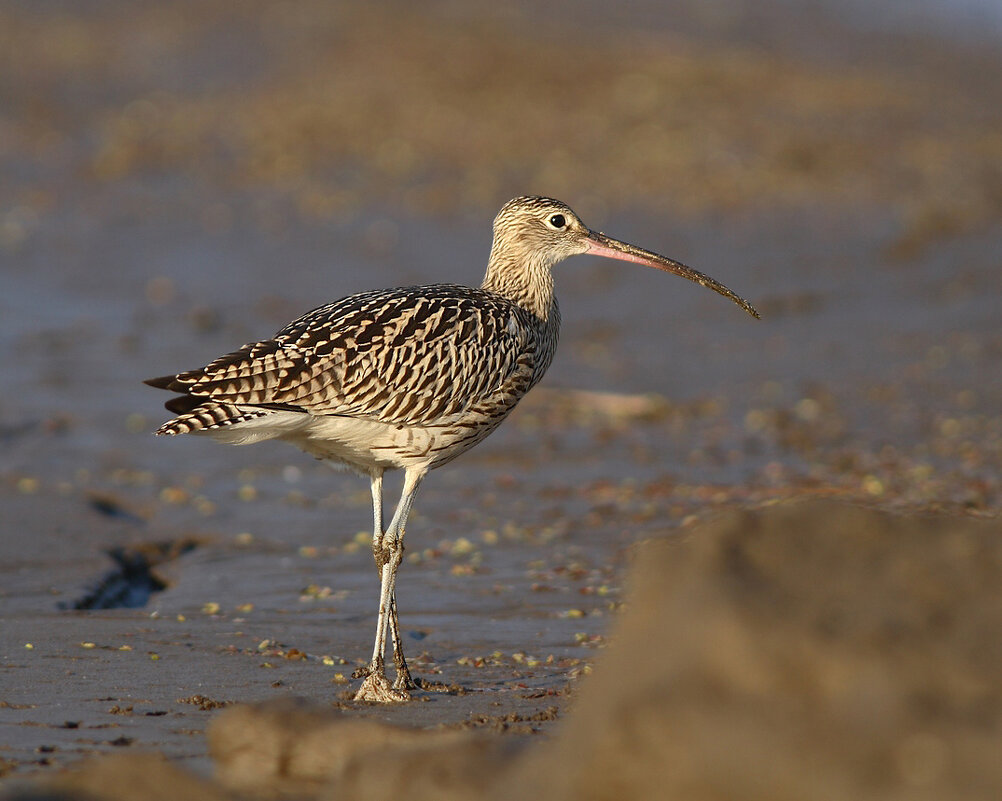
[(177, 181), (807, 649)]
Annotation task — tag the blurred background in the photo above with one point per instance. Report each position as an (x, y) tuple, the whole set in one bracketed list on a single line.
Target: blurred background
[(178, 178)]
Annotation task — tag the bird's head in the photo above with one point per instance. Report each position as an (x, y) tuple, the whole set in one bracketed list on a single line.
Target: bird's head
[(539, 228), (538, 232)]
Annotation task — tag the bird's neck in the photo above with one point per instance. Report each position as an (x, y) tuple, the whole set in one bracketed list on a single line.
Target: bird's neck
[(526, 282)]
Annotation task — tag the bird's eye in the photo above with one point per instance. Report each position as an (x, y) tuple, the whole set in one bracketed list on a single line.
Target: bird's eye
[(557, 221)]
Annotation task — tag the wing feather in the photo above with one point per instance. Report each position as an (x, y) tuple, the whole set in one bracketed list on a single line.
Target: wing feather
[(407, 356)]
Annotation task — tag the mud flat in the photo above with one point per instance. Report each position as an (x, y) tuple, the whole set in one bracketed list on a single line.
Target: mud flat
[(805, 649), (179, 178)]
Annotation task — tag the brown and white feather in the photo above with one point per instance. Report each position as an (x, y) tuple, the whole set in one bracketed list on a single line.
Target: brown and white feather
[(436, 368)]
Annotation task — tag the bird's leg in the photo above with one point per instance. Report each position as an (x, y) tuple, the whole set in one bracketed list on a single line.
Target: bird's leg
[(376, 487), (376, 687), (403, 680)]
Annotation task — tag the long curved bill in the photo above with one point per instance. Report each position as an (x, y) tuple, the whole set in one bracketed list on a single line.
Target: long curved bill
[(601, 245)]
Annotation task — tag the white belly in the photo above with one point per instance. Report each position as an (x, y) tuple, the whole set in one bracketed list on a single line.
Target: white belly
[(359, 444)]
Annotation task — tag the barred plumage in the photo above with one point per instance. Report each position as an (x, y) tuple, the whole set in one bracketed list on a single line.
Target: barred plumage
[(433, 368), (404, 378)]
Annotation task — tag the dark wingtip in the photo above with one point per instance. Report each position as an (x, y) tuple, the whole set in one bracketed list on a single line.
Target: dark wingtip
[(163, 382), (183, 404)]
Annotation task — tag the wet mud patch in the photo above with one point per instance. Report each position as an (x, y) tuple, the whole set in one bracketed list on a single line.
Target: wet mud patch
[(203, 703), (510, 723), (134, 579)]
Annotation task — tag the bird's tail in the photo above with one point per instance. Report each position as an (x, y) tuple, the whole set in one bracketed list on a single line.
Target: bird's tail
[(208, 417)]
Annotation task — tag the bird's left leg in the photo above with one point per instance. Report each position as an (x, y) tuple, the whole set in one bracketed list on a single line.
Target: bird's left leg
[(403, 680), (376, 687)]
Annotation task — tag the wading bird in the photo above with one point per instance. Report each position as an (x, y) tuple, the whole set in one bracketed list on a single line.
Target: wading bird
[(405, 378)]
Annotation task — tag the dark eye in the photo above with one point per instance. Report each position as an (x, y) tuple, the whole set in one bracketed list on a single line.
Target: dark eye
[(557, 221)]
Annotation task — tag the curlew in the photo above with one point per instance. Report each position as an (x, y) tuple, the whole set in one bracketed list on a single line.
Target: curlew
[(405, 378)]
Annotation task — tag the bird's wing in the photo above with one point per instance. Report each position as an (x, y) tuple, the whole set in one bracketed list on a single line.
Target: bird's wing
[(406, 356)]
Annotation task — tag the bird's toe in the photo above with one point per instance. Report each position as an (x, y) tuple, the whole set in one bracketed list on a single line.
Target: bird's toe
[(404, 681)]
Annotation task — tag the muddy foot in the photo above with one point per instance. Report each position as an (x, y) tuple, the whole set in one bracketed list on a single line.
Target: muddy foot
[(377, 689), (404, 680)]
